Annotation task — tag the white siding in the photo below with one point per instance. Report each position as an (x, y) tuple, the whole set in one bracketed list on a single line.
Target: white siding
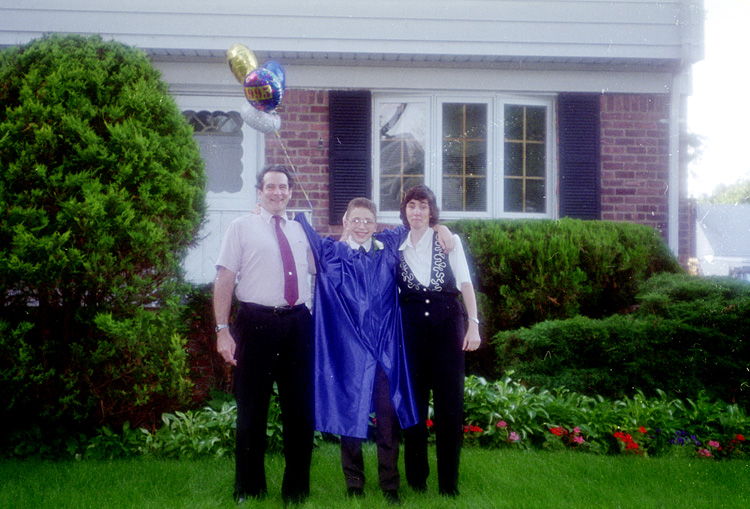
[(418, 31)]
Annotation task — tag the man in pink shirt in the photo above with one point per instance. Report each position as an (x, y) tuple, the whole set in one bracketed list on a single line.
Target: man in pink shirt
[(271, 337)]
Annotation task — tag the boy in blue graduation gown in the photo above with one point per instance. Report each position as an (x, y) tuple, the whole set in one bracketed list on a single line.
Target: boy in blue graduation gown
[(360, 362)]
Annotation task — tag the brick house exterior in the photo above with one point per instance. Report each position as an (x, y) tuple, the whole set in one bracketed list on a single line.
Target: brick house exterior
[(630, 60), (634, 159)]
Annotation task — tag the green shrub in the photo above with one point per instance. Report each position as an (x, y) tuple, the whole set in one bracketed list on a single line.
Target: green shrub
[(529, 271), (208, 370), (687, 338), (101, 194)]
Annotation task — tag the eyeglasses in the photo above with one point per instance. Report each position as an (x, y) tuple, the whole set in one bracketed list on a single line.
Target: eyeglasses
[(366, 222)]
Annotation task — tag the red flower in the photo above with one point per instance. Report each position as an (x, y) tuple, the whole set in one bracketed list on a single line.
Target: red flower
[(475, 429), (642, 429), (631, 445), (429, 423), (740, 437), (559, 431)]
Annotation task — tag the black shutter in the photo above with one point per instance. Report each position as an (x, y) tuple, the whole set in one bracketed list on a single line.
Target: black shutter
[(350, 116), (580, 181)]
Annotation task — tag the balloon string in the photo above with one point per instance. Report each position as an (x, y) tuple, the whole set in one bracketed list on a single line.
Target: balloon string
[(294, 170)]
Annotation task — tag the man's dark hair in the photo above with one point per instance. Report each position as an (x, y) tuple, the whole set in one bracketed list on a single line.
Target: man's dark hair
[(420, 193), (278, 168)]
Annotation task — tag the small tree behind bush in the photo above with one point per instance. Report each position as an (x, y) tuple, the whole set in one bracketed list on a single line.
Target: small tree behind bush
[(101, 193)]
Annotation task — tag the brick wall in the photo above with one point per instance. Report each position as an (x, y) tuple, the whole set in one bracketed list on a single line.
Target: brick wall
[(303, 145), (635, 159)]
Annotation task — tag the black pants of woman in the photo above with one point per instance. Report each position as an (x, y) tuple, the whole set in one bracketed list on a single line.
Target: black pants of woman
[(434, 330)]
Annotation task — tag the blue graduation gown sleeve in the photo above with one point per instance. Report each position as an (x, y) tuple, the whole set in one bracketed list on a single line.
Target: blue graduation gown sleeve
[(357, 326)]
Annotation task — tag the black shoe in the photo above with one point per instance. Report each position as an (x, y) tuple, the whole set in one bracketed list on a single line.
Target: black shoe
[(241, 498), (419, 488), (452, 493), (355, 492), (294, 499), (391, 496)]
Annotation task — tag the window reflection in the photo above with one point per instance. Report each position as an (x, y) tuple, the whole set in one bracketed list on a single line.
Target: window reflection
[(402, 150)]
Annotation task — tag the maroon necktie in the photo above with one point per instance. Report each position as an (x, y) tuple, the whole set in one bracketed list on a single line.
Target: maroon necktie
[(287, 260)]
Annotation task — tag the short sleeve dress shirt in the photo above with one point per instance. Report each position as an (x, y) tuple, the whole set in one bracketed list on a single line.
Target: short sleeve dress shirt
[(250, 249)]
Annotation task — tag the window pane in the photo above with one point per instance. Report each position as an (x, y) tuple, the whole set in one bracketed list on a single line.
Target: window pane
[(536, 119), (513, 122), (534, 196), (476, 195), (219, 136), (525, 158), (513, 159), (513, 195), (403, 127), (464, 150), (535, 160)]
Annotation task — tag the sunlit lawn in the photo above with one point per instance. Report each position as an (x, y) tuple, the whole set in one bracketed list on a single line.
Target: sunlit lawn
[(513, 479)]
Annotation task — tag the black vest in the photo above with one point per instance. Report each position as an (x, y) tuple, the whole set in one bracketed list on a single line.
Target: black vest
[(442, 279)]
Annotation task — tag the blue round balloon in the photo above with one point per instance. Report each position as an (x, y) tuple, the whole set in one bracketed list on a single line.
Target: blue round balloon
[(278, 70)]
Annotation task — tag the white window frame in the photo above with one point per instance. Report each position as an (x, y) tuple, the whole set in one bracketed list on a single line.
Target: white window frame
[(550, 146), (437, 167), (495, 154)]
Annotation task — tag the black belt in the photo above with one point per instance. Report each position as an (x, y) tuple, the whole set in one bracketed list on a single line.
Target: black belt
[(276, 310)]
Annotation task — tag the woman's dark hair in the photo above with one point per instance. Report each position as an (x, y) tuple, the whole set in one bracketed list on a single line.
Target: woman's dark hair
[(420, 193)]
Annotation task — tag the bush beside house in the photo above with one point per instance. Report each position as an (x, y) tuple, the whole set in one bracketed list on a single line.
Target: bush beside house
[(686, 337), (101, 193), (529, 271)]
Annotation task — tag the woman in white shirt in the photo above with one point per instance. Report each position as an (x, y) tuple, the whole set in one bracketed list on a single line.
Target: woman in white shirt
[(438, 328)]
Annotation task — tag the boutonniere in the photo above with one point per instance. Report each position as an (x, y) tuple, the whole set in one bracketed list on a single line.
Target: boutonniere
[(377, 245)]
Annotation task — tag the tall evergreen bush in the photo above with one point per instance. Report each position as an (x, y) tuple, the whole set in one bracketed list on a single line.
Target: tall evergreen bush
[(101, 194)]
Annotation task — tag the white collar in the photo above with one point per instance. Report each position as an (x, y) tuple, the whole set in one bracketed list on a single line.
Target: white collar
[(354, 245), (266, 216), (426, 239)]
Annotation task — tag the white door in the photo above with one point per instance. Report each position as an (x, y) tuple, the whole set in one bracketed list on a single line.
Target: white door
[(233, 152)]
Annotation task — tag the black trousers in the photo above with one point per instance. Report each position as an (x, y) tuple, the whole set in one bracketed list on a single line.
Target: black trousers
[(273, 345), (434, 330), (387, 431)]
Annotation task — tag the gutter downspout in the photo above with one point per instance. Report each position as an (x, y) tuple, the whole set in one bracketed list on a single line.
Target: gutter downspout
[(673, 181)]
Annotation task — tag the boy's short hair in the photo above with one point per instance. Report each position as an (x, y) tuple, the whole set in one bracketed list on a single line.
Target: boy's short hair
[(361, 203)]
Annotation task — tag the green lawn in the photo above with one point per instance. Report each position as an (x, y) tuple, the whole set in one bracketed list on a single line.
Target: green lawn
[(512, 479)]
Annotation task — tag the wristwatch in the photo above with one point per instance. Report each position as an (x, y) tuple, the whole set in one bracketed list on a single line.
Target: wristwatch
[(221, 326)]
